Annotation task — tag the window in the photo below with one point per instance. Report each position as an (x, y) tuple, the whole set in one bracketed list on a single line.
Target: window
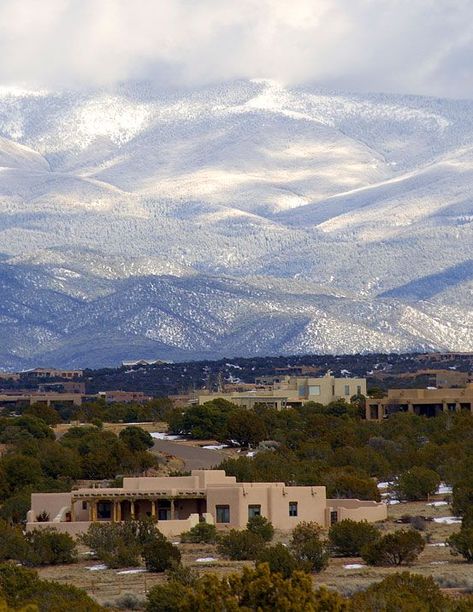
[(84, 505), (347, 389), (254, 510), (314, 390), (292, 508), (333, 517), (223, 514), (358, 390)]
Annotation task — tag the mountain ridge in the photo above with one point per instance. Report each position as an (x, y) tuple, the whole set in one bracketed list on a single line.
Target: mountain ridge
[(330, 222)]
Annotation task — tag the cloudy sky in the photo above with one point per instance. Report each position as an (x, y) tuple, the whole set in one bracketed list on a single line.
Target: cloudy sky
[(404, 46)]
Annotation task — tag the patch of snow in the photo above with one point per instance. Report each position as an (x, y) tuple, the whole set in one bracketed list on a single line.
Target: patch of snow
[(444, 489), (393, 502), (438, 544), (448, 520), (354, 566), (437, 504), (385, 485), (206, 560), (138, 570), (97, 568), (159, 435), (215, 446)]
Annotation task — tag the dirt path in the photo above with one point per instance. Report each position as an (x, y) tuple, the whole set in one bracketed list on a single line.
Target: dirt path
[(194, 457)]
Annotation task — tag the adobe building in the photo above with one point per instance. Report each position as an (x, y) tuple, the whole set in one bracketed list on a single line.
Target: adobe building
[(292, 391), (423, 402), (178, 503)]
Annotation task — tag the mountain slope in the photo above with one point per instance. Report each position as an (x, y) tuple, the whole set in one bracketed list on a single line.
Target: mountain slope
[(242, 218)]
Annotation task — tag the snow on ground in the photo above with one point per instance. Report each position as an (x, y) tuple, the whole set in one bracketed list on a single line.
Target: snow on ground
[(206, 560), (215, 446), (138, 570), (97, 568), (448, 520), (354, 566), (444, 489), (159, 435), (210, 237), (438, 504)]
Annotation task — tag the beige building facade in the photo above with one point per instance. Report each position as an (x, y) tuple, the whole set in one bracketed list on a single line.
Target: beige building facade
[(423, 402), (179, 503), (292, 391)]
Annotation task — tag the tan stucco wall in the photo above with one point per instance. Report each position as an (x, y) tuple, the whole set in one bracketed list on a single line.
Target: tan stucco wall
[(358, 510)]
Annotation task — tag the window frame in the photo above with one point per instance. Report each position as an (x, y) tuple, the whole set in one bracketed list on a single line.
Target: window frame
[(222, 508), (293, 509), (256, 507)]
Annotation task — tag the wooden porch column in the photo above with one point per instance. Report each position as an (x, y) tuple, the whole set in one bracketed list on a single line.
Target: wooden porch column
[(132, 510), (92, 510), (153, 508), (118, 516), (410, 408), (173, 509), (73, 511)]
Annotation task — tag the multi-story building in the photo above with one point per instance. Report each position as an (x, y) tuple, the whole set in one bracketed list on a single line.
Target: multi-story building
[(291, 391), (52, 373), (179, 503), (423, 402)]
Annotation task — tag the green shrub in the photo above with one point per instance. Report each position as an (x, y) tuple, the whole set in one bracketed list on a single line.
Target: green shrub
[(398, 548), (279, 559), (261, 526), (347, 538), (136, 438), (402, 593), (202, 533), (240, 545), (461, 543), (160, 555), (116, 544), (169, 597), (12, 542), (417, 483), (48, 547), (20, 586), (308, 548)]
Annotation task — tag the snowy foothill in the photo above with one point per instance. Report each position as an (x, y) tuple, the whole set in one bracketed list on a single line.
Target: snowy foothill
[(209, 239)]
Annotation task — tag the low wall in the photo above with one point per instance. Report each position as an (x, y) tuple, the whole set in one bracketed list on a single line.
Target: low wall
[(73, 529), (167, 528), (358, 510)]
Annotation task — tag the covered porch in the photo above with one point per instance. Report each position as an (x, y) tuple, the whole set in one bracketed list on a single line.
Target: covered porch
[(138, 505)]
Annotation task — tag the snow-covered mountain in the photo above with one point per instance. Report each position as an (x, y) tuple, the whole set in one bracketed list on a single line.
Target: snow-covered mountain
[(244, 218)]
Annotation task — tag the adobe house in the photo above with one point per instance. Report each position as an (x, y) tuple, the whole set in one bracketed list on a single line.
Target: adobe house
[(179, 503), (422, 402), (282, 392)]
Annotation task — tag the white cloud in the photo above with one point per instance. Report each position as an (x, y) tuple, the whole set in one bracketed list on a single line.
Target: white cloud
[(417, 46)]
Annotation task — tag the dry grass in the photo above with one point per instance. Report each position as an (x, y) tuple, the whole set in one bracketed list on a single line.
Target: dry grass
[(451, 573)]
